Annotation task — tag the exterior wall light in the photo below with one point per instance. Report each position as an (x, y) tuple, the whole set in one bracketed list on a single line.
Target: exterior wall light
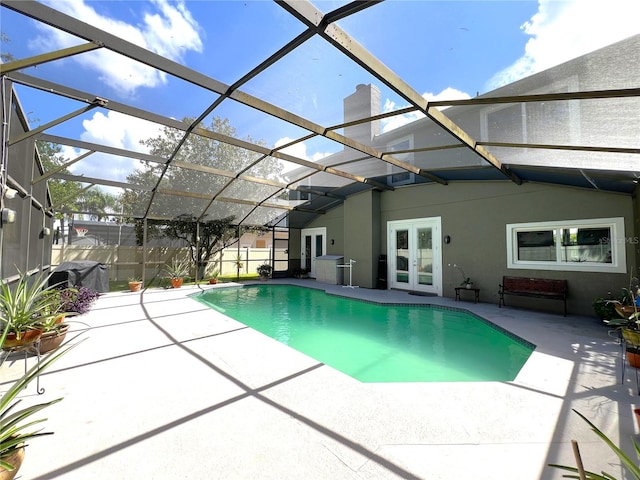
[(8, 215), (9, 193)]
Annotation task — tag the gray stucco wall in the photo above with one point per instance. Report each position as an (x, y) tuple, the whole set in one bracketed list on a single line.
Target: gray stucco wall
[(475, 216), (361, 216)]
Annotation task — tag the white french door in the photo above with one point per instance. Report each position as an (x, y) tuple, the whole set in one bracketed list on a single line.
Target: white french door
[(414, 254), (314, 244)]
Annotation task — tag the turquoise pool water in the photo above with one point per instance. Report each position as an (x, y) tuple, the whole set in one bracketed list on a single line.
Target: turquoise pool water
[(376, 342)]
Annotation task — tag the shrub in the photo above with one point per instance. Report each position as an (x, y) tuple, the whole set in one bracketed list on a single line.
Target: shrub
[(78, 299)]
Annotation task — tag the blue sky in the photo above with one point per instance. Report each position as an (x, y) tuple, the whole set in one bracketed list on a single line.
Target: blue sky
[(442, 49)]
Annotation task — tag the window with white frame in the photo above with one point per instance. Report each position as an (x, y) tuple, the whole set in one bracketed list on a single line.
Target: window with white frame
[(595, 245)]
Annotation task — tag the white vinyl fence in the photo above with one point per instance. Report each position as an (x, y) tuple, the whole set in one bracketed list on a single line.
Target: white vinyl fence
[(125, 262)]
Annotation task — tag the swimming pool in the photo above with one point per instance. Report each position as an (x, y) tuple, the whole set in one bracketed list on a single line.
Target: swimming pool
[(376, 342)]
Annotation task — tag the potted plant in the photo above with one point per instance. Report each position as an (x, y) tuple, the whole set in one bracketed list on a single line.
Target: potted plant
[(53, 336), (54, 330), (238, 262), (604, 308), (300, 273), (629, 320), (264, 271), (24, 307), (16, 425), (466, 281), (213, 279), (176, 270), (135, 284)]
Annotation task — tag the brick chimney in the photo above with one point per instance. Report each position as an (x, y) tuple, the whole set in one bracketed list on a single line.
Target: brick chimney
[(364, 103)]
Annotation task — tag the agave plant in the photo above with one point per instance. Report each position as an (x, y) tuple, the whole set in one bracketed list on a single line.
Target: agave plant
[(16, 426), (630, 465), (26, 304), (176, 269)]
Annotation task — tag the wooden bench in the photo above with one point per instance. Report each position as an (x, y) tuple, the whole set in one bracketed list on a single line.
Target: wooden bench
[(534, 287)]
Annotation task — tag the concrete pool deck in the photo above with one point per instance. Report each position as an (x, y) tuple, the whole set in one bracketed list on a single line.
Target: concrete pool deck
[(165, 388)]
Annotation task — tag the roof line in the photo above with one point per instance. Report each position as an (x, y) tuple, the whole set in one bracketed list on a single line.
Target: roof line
[(541, 97)]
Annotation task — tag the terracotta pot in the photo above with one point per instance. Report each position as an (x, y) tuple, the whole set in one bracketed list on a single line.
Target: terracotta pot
[(176, 282), (26, 338), (634, 359), (626, 310), (15, 459), (135, 286), (53, 339), (213, 281)]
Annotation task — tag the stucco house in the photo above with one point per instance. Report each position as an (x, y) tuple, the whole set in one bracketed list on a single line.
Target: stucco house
[(557, 212)]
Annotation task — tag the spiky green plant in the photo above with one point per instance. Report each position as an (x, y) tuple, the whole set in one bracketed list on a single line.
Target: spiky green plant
[(176, 269), (26, 304), (16, 428), (630, 465)]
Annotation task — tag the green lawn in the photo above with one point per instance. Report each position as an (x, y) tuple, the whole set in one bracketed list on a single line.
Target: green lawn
[(119, 285)]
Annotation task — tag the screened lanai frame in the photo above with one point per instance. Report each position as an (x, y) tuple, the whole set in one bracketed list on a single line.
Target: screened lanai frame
[(296, 190)]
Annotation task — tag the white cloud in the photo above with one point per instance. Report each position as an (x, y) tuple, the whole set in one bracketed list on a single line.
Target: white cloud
[(114, 130), (299, 150), (398, 121), (170, 31), (562, 30), (118, 130)]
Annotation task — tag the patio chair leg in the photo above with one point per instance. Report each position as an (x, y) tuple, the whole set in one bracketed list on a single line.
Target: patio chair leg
[(623, 358), (35, 348)]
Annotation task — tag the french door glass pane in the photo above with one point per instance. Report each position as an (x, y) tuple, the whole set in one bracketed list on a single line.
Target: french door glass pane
[(307, 252), (319, 251), (402, 256), (424, 255)]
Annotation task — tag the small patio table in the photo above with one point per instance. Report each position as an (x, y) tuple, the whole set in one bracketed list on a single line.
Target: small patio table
[(475, 290)]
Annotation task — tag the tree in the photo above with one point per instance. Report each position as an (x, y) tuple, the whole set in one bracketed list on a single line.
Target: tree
[(68, 196), (214, 235), (63, 194), (99, 203), (5, 56), (186, 216)]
